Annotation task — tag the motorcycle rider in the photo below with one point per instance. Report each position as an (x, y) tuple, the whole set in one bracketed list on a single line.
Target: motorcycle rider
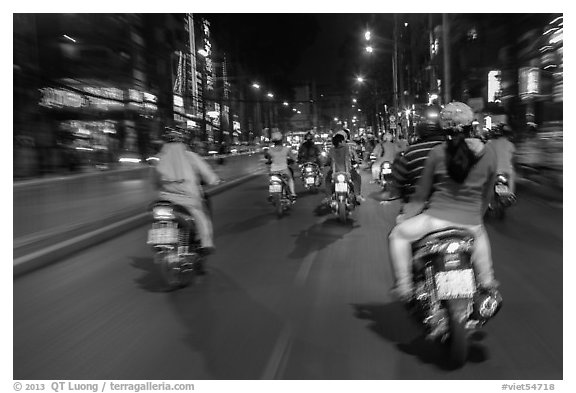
[(179, 174), (354, 175), (384, 151), (308, 151), (408, 168), (466, 169), (505, 153), (339, 160), (279, 157)]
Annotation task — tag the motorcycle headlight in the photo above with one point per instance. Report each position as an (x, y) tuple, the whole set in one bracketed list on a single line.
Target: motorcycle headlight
[(163, 213), (341, 178)]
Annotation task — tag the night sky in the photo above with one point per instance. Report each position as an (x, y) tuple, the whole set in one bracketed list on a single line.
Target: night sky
[(287, 49)]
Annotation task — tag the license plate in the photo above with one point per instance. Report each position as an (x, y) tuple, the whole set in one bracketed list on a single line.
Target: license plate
[(455, 284), (163, 236), (386, 171), (275, 188), (310, 180), (501, 189), (341, 187)]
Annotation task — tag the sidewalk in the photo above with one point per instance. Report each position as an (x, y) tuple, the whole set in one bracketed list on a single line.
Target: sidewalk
[(56, 217)]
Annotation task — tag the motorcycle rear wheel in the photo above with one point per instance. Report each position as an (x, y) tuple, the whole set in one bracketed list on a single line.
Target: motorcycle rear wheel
[(172, 274), (342, 215), (278, 205), (458, 341)]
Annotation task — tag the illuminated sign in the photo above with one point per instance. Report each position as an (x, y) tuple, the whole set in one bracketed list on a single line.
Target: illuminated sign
[(494, 86), (529, 81)]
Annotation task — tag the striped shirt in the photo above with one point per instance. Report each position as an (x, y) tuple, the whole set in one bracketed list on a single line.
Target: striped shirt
[(408, 169)]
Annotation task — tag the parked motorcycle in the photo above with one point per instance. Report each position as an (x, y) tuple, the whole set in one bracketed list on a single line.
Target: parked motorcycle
[(173, 239), (278, 193), (448, 302), (503, 197), (310, 173), (343, 199)]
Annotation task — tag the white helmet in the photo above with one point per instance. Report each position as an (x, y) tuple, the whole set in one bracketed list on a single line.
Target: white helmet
[(387, 137), (456, 115), (276, 136)]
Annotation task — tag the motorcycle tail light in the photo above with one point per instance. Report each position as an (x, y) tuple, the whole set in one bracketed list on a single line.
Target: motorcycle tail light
[(275, 179), (502, 179), (386, 165), (308, 169), (163, 213), (341, 178)]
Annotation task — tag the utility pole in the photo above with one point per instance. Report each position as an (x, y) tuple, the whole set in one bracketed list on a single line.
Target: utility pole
[(446, 50), (395, 66)]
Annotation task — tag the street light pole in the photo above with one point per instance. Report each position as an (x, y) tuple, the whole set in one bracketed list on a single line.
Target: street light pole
[(446, 42), (395, 65)]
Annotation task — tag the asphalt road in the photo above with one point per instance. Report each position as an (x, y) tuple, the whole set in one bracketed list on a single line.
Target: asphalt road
[(302, 297)]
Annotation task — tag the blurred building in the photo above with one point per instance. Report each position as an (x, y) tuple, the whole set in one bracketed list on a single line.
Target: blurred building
[(94, 89)]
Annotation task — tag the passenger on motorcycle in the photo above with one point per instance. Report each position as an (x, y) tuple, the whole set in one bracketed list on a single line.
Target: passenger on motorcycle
[(384, 151), (308, 151), (504, 153), (279, 157), (466, 173), (354, 175), (179, 175)]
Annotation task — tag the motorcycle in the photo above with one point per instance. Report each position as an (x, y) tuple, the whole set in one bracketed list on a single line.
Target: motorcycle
[(278, 193), (448, 302), (385, 175), (173, 240), (503, 197), (310, 173), (343, 199)]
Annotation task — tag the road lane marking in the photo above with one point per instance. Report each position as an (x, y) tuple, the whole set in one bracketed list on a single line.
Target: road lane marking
[(277, 361), (305, 268)]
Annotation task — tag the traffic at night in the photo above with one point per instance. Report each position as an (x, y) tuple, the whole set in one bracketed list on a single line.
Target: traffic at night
[(288, 196)]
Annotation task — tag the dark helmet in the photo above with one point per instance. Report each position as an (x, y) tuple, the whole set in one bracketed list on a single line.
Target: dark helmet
[(428, 129), (309, 136), (173, 135), (338, 138)]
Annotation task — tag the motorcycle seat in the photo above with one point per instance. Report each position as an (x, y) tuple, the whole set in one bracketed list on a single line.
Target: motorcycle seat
[(181, 210), (450, 234)]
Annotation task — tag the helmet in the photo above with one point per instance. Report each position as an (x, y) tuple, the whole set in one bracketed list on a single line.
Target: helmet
[(343, 133), (456, 115), (276, 136), (387, 137), (309, 136), (173, 135)]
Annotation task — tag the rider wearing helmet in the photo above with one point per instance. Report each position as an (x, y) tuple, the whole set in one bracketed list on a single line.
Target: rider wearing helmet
[(180, 173), (504, 153), (279, 157), (466, 173), (308, 151)]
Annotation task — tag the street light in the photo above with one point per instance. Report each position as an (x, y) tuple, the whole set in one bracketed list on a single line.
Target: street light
[(367, 35), (360, 79), (270, 95), (255, 85), (369, 49), (354, 100), (285, 103)]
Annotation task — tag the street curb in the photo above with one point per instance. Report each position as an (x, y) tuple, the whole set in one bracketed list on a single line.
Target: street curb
[(63, 248)]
